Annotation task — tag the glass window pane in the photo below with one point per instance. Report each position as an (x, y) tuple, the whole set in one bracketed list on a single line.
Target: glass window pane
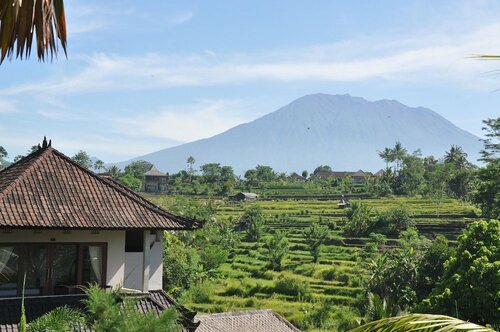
[(64, 268), (9, 257), (35, 266), (92, 265)]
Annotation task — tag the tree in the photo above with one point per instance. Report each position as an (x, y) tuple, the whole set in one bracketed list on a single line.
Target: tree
[(470, 286), (251, 177), (395, 220), (19, 20), (437, 184), (138, 168), (359, 221), (253, 222), (456, 156), (98, 165), (488, 191), (83, 159), (277, 248), (315, 235), (3, 155), (322, 168), (211, 173), (114, 172), (398, 153), (265, 173), (431, 267), (387, 155), (305, 174), (190, 161), (412, 174)]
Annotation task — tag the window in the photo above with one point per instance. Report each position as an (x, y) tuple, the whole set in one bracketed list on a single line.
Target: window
[(134, 241)]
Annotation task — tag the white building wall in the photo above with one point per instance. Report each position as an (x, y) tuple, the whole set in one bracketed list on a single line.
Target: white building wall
[(115, 242), (156, 261)]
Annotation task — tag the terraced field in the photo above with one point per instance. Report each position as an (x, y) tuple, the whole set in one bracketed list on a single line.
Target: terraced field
[(246, 282)]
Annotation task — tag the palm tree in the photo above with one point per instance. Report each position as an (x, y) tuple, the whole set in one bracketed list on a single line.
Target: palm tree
[(398, 154), (456, 156), (421, 323), (20, 19), (387, 155), (114, 171), (98, 165)]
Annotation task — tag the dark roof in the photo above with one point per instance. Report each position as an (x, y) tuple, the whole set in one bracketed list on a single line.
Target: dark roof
[(331, 174), (245, 321), (153, 171), (380, 173), (156, 301), (359, 173), (47, 189)]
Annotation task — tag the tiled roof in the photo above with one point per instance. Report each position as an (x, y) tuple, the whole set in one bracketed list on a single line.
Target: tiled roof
[(245, 321), (156, 301), (47, 189), (153, 171)]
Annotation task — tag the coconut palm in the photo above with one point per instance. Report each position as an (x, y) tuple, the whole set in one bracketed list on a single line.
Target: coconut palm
[(387, 155), (456, 156), (421, 323), (398, 154), (20, 20)]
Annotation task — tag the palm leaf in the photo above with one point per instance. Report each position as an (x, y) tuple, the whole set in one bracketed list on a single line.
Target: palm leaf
[(421, 323), (21, 19)]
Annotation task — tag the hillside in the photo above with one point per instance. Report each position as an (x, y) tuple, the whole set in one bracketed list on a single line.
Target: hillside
[(339, 130)]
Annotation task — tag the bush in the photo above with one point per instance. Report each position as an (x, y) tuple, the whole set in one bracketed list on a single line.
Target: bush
[(330, 274), (359, 221), (395, 220), (200, 293), (293, 287), (305, 270)]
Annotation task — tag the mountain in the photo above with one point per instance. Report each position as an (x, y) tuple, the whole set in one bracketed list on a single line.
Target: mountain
[(342, 131)]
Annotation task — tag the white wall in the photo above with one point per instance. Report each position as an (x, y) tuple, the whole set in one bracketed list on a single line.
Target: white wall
[(123, 268), (115, 241)]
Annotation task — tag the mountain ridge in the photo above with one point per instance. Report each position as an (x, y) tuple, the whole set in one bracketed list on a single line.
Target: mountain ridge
[(340, 130)]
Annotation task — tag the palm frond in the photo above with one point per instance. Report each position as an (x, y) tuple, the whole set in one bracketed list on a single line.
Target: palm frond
[(486, 56), (20, 20), (421, 323)]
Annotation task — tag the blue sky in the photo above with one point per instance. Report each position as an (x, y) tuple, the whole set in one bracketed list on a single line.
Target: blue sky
[(144, 76)]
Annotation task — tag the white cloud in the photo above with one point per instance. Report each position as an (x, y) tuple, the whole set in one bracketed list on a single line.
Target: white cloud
[(7, 107), (430, 58), (183, 123), (180, 18)]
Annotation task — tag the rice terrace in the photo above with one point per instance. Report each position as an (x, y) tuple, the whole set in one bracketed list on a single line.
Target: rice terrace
[(249, 166)]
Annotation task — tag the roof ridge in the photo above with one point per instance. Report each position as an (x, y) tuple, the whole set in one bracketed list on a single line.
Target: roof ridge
[(123, 190), (41, 151)]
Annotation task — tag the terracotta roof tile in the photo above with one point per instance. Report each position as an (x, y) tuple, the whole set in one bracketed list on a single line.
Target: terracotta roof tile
[(48, 189), (245, 321)]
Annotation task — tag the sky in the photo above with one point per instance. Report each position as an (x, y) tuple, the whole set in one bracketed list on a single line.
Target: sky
[(142, 76)]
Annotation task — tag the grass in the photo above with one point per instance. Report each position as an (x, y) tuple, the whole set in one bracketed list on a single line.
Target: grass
[(245, 282)]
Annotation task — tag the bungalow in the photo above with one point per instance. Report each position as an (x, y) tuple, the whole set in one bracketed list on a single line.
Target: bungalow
[(63, 226), (155, 181), (242, 196), (294, 177)]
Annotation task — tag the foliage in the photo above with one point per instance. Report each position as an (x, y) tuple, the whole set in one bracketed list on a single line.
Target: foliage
[(180, 264), (83, 159), (62, 319), (431, 266), (322, 168), (109, 311), (315, 235), (488, 191), (3, 155), (138, 168), (422, 323), (293, 287), (395, 220), (277, 247), (128, 180), (359, 221), (379, 308), (470, 286), (20, 19), (253, 222)]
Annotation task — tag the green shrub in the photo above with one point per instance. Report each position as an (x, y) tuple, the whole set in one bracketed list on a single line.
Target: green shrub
[(293, 287), (200, 293), (330, 274), (305, 270)]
